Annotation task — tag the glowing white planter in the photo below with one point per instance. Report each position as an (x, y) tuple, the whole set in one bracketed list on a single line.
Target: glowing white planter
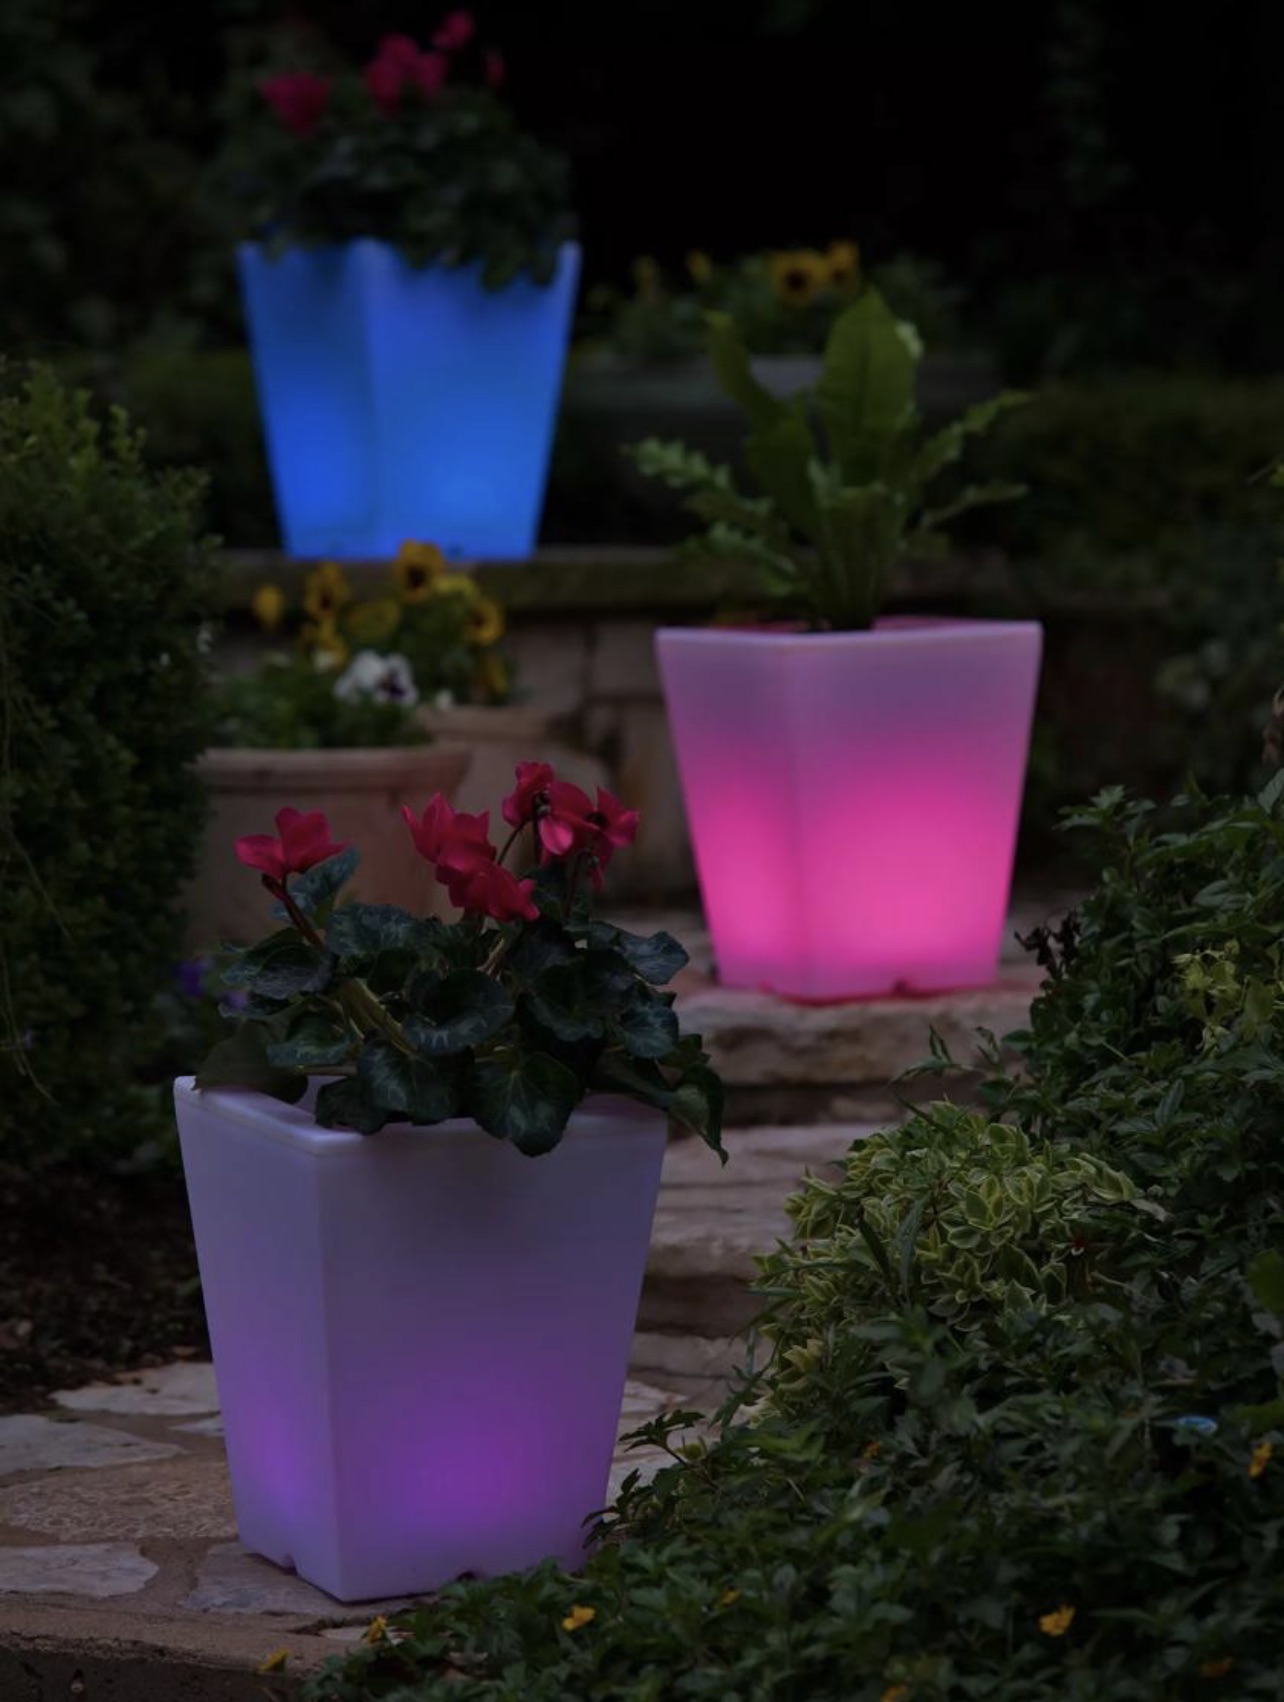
[(420, 1337), (853, 798), (405, 402)]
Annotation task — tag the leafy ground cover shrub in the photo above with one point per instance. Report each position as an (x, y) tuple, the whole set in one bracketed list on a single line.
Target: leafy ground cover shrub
[(1020, 1438), (103, 587)]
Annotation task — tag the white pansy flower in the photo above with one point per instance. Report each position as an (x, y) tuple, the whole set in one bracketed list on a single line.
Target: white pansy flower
[(386, 679), (909, 336), (444, 699)]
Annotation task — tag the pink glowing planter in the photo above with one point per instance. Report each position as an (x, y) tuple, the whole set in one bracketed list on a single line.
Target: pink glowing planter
[(853, 798), (420, 1337)]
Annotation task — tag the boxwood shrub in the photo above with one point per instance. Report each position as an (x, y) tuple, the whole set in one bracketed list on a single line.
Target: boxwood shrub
[(104, 582), (1020, 1436)]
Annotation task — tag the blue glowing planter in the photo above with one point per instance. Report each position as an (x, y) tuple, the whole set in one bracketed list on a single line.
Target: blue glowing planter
[(402, 403)]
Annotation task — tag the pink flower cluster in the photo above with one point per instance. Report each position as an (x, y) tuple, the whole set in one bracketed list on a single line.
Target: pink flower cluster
[(567, 823), (300, 98), (302, 841)]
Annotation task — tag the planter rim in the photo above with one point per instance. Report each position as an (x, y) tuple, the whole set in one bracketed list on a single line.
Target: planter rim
[(375, 244), (919, 631), (597, 1118), (363, 768)]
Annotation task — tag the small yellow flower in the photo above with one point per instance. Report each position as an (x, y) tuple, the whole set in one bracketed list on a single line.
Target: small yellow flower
[(275, 1661), (326, 591), (727, 1598), (895, 1693), (1058, 1623), (457, 585), (1218, 1668), (372, 623), (699, 266), (377, 1630), (798, 275), (416, 569), (486, 623), (843, 261), (871, 1450), (325, 644), (578, 1617), (1261, 1458), (492, 677), (268, 606)]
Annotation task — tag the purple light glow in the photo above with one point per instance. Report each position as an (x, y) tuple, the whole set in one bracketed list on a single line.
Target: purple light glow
[(853, 799), (421, 1339)]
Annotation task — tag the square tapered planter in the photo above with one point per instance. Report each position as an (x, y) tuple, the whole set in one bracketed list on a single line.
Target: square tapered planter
[(853, 798), (420, 1337), (402, 402)]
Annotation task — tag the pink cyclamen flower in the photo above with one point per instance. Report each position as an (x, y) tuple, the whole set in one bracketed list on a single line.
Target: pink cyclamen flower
[(302, 841), (298, 98), (533, 778), (493, 891), (456, 30), (496, 70), (614, 826), (441, 827), (564, 824), (399, 62)]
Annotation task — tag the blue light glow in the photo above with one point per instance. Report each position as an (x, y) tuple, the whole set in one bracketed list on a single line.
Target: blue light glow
[(401, 403)]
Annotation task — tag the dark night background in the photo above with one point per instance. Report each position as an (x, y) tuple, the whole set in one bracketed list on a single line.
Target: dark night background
[(1113, 166)]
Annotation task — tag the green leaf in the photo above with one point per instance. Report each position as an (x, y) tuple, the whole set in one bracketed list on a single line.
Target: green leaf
[(242, 1061), (362, 931), (865, 396), (459, 1011), (525, 1098), (312, 891), (697, 1105), (424, 1090), (640, 1078), (576, 1001), (657, 958), (312, 1041), (279, 967), (1266, 1279), (647, 1026), (733, 369), (780, 454), (542, 945), (347, 1105)]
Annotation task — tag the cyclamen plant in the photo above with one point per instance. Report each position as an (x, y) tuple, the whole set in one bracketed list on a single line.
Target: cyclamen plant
[(510, 1015), (417, 149)]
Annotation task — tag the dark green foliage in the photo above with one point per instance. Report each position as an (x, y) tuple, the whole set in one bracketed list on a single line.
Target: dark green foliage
[(423, 1021), (1022, 1437), (103, 585), (289, 704)]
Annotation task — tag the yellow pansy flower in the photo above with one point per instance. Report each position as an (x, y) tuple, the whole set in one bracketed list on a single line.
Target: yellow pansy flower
[(275, 1661), (325, 644), (578, 1617), (377, 1630), (268, 606), (1218, 1668), (895, 1693), (727, 1598), (457, 585), (486, 623), (326, 591), (699, 266), (372, 623), (797, 275), (1057, 1623), (416, 569), (1261, 1458), (843, 261), (492, 677)]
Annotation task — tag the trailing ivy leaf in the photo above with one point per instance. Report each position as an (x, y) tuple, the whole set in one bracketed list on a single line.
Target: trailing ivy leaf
[(424, 1091), (242, 1061), (312, 1041), (457, 1012), (347, 1105), (312, 891), (541, 946), (249, 1007), (647, 1025), (576, 1000), (279, 967), (697, 1105), (525, 1098), (656, 957)]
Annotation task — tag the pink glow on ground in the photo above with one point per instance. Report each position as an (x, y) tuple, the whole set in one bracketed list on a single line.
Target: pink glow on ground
[(853, 799)]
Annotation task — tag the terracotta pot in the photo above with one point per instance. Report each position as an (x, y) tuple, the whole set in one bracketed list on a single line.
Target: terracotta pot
[(361, 792), (421, 1336), (853, 798)]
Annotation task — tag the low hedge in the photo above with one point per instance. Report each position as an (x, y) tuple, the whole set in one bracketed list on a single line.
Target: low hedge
[(1021, 1434), (104, 582)]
